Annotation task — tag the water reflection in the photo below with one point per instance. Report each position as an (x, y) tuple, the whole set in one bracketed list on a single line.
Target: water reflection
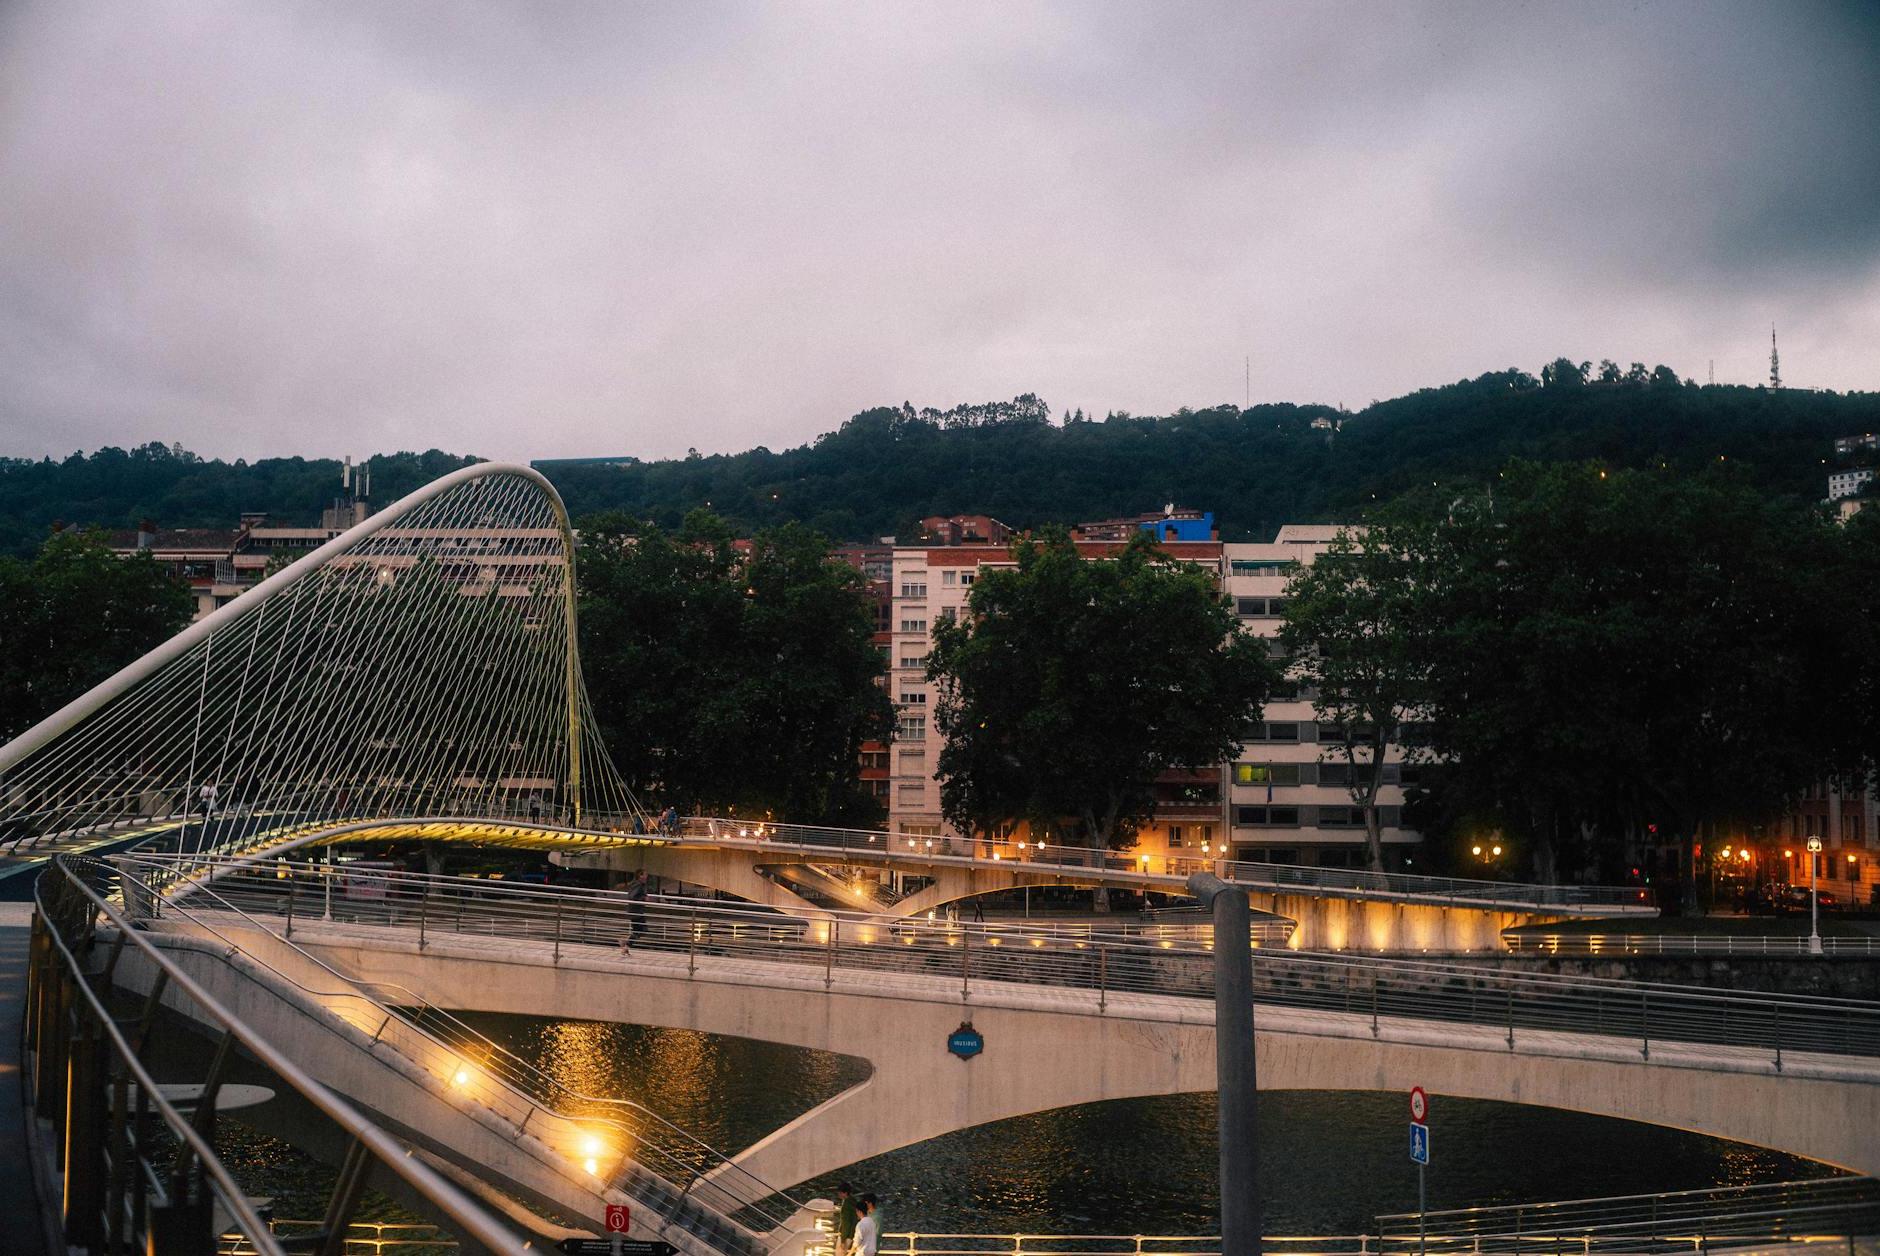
[(1330, 1160)]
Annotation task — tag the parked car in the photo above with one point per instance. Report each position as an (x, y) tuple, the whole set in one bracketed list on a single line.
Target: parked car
[(1795, 899)]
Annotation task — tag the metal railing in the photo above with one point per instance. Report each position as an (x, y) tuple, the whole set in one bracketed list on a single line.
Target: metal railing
[(685, 1180), (139, 1172), (1523, 942), (935, 957), (362, 1238), (917, 1244), (1153, 871), (1814, 1211)]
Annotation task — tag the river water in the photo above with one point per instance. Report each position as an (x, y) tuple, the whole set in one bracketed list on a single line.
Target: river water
[(1330, 1160)]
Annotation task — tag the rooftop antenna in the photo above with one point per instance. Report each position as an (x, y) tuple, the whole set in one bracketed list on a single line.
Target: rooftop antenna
[(1713, 372), (1775, 360), (1248, 402)]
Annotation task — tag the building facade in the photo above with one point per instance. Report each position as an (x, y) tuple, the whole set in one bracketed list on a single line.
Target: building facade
[(932, 582), (1289, 796), (1848, 483), (1285, 796)]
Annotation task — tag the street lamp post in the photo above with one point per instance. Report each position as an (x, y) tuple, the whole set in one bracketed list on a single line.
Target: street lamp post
[(1814, 906)]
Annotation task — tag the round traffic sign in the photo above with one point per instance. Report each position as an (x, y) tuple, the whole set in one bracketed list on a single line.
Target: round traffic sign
[(1419, 1104)]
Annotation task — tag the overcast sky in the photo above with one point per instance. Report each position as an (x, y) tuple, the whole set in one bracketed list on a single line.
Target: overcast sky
[(536, 230)]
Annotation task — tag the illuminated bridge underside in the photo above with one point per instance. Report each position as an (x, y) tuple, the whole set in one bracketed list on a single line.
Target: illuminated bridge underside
[(1820, 1106), (1325, 919)]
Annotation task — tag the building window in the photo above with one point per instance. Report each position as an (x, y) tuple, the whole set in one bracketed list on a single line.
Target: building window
[(910, 589), (1266, 774), (914, 699), (911, 795), (913, 625), (948, 615), (1273, 732), (1261, 566), (967, 577), (1267, 817), (913, 763), (913, 660), (920, 830), (1174, 836), (1341, 817), (911, 728), (947, 577)]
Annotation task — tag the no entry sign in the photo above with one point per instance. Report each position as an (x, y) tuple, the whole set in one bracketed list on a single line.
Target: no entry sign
[(1419, 1105)]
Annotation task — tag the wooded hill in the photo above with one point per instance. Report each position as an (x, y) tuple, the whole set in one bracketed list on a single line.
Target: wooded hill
[(1255, 468)]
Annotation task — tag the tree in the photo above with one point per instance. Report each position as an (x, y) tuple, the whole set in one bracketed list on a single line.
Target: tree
[(1614, 650), (74, 615), (1073, 683), (1355, 633), (725, 678)]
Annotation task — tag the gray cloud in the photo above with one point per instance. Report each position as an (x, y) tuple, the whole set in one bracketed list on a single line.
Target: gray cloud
[(530, 230)]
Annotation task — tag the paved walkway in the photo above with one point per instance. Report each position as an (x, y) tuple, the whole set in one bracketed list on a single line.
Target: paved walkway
[(19, 1206)]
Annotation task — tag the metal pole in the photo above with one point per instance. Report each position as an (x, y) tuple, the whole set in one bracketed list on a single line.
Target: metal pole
[(1814, 921), (1234, 1063), (1423, 1209), (329, 884)]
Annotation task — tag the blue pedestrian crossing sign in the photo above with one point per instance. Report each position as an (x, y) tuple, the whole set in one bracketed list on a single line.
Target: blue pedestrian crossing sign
[(1419, 1142)]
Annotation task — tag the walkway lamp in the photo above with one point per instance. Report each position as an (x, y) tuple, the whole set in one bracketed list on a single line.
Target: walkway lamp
[(1814, 906)]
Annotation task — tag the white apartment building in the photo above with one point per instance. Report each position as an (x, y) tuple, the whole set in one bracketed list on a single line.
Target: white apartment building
[(1288, 795), (932, 583), (1282, 799), (1847, 483)]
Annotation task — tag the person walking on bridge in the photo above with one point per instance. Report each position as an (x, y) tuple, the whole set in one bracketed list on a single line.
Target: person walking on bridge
[(636, 910), (846, 1217), (868, 1229)]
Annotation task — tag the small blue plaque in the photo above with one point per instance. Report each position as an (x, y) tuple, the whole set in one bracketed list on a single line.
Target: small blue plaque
[(966, 1042)]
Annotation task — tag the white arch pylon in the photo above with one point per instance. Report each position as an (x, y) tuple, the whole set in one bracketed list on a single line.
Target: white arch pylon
[(426, 655)]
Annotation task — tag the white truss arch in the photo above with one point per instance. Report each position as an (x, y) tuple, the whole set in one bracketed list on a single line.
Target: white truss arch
[(423, 662)]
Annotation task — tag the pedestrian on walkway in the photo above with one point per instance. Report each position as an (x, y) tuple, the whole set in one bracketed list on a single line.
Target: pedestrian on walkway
[(846, 1217), (636, 910), (868, 1229)]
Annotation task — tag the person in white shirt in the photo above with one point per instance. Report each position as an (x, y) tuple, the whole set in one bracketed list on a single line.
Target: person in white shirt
[(868, 1229)]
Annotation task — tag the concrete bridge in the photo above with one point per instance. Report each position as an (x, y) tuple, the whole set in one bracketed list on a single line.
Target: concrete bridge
[(1332, 909), (1797, 1075)]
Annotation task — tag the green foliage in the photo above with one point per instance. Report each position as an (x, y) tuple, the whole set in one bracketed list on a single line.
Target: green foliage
[(1356, 632), (1605, 651), (1256, 468), (1074, 682), (71, 617), (724, 679), (116, 488)]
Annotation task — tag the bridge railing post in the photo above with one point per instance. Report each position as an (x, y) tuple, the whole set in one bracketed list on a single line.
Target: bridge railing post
[(966, 964), (424, 899), (829, 952), (557, 956), (691, 944), (1103, 977), (290, 903), (1644, 1023), (1777, 1009)]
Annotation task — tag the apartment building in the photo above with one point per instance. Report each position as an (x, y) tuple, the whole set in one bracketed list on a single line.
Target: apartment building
[(931, 582), (1848, 483), (1288, 795)]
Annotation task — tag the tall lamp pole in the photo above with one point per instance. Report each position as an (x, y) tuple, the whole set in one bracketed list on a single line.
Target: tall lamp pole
[(1814, 898), (1233, 1062)]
